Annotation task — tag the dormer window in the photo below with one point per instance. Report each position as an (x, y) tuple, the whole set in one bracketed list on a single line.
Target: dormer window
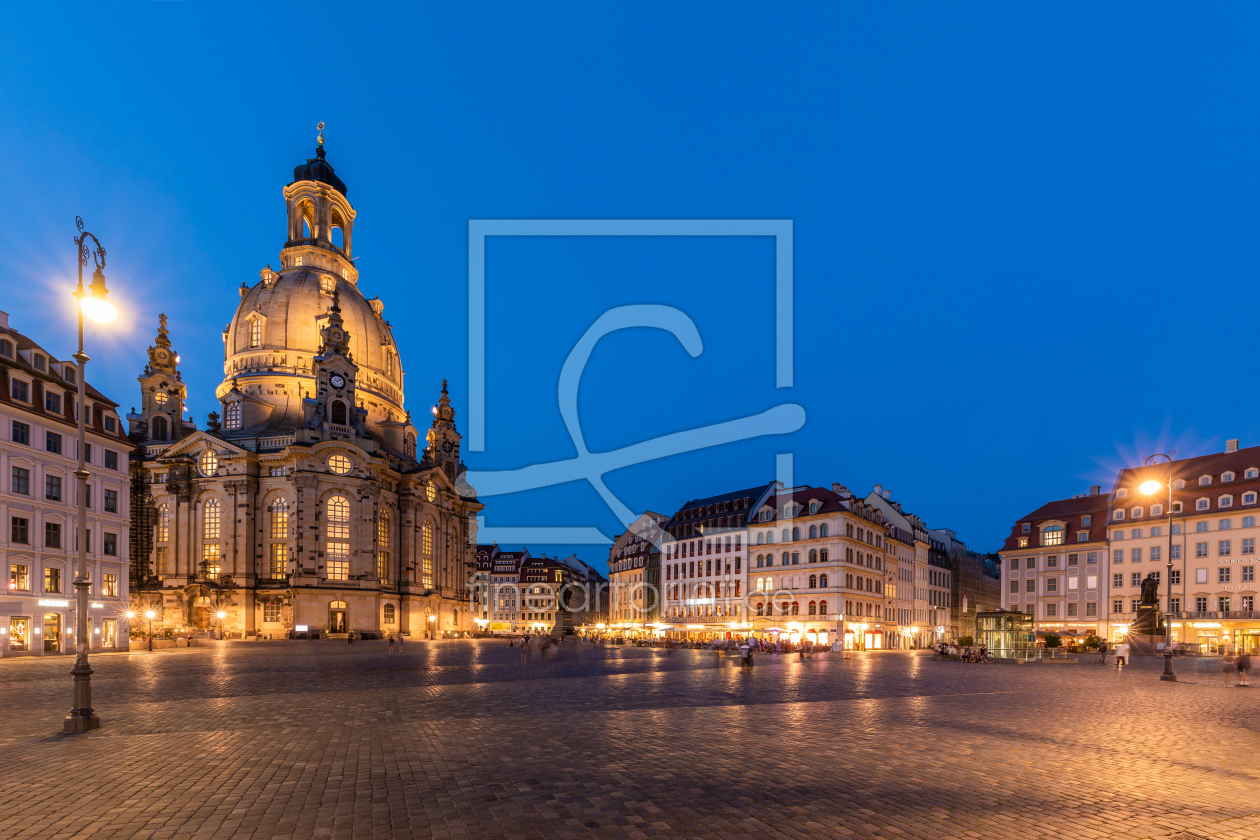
[(255, 332), (41, 363), (1085, 520), (1252, 473), (1119, 515), (1229, 476), (68, 373), (1157, 510), (327, 284), (1179, 484), (813, 507), (1052, 535), (1201, 504), (6, 348), (1136, 512), (1121, 493), (1025, 527), (232, 415), (1205, 480), (1225, 501)]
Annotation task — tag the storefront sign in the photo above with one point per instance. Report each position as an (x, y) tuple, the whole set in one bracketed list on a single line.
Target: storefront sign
[(52, 602), (301, 628), (98, 606)]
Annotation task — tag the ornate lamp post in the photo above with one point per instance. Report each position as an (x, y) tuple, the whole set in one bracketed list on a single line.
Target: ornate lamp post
[(221, 615), (1149, 488), (93, 304), (149, 615)]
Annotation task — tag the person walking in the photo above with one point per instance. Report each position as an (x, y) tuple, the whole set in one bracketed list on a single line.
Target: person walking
[(391, 643), (1243, 664), (1122, 654), (350, 636), (1102, 652)]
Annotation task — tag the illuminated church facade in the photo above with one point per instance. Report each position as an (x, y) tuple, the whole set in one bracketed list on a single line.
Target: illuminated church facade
[(308, 504)]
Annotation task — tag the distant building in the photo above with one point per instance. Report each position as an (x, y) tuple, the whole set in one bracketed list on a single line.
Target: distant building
[(634, 563), (1054, 564), (39, 504)]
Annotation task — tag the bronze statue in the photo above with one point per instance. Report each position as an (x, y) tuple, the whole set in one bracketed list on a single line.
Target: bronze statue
[(1150, 590)]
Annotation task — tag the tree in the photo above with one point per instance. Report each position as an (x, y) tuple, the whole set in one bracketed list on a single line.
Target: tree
[(1092, 641), (1053, 640), (965, 641)]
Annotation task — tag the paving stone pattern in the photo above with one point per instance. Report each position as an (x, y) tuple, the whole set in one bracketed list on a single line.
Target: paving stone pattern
[(473, 739)]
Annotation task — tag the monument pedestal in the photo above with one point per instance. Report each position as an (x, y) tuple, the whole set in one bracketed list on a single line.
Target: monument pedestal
[(1148, 621)]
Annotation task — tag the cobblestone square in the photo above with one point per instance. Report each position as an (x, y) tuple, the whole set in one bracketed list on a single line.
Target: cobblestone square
[(472, 739)]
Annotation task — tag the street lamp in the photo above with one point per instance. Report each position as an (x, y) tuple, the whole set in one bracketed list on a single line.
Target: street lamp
[(93, 304), (149, 615), (1150, 487), (432, 628), (221, 615)]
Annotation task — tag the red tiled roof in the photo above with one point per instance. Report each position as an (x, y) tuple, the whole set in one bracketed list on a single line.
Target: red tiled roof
[(1068, 511), (1191, 470)]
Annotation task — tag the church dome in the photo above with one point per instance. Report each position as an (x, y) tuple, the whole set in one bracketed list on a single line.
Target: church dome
[(319, 169), (275, 334)]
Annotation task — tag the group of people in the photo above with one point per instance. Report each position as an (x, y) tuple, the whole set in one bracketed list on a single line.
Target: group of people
[(967, 653)]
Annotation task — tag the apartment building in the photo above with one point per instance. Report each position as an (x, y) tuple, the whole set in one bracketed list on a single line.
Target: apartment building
[(38, 504)]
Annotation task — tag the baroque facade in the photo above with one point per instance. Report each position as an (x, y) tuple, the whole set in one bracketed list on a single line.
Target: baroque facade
[(307, 505)]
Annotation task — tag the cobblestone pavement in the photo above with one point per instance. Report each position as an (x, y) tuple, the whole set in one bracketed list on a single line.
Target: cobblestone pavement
[(457, 740)]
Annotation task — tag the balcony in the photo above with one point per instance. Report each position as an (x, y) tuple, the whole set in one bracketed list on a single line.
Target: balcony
[(318, 243), (338, 429), (1218, 615)]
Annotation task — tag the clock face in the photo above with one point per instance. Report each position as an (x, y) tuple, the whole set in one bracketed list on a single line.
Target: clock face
[(336, 335), (162, 355), (337, 380), (446, 447), (448, 412)]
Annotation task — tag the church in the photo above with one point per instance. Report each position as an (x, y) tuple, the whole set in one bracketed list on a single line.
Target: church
[(307, 505)]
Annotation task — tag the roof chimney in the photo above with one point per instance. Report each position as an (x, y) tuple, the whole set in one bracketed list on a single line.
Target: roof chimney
[(879, 489), (1231, 445), (836, 487), (887, 494), (1095, 489), (841, 490)]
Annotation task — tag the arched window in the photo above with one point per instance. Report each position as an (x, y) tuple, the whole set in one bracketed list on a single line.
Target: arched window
[(426, 556), (338, 413), (822, 581), (822, 607), (210, 520), (1052, 535), (159, 428), (255, 332), (163, 532), (761, 561), (813, 555), (410, 446), (796, 533), (761, 609), (813, 608), (787, 559), (389, 614), (822, 530), (449, 469), (761, 538), (785, 534), (337, 549), (279, 511), (813, 581), (382, 545), (813, 531), (232, 415)]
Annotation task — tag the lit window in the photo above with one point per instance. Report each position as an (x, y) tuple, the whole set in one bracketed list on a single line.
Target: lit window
[(279, 519), (210, 520), (1052, 535), (232, 415), (209, 462), (426, 555), (430, 491), (339, 464), (255, 332)]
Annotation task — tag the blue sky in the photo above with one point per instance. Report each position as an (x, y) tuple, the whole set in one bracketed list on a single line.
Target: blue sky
[(1025, 238)]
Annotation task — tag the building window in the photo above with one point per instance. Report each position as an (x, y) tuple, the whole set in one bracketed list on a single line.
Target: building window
[(19, 530), (1117, 606), (1174, 605), (1205, 480), (255, 332), (109, 585), (1249, 546), (20, 577), (111, 501), (1119, 515), (426, 556), (1086, 520), (279, 525), (1200, 549), (1225, 501), (279, 561), (1222, 575), (20, 391), (210, 520), (160, 555), (111, 544), (1136, 513), (1117, 580), (232, 415), (210, 565), (52, 488), (382, 546), (52, 402), (1201, 504), (271, 613), (1200, 604), (209, 462), (52, 535), (1175, 577), (163, 532), (1023, 542), (1052, 535), (52, 579), (337, 565), (1223, 548), (389, 614)]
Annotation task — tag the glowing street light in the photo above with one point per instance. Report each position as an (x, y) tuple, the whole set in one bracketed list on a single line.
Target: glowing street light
[(149, 615), (1149, 488), (92, 303)]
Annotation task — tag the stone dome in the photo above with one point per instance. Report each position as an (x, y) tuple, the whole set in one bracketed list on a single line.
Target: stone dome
[(275, 333)]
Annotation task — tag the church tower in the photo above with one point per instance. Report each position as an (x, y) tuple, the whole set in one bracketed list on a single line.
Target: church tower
[(442, 437), (332, 406), (162, 392)]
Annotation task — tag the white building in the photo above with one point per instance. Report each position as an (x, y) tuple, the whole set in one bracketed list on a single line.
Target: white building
[(38, 505)]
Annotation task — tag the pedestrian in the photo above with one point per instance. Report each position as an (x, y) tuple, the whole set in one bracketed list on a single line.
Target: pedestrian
[(1102, 652), (1243, 664), (1122, 654), (350, 636), (391, 643), (400, 642)]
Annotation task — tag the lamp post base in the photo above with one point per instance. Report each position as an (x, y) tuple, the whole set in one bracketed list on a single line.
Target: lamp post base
[(77, 721), (1168, 675)]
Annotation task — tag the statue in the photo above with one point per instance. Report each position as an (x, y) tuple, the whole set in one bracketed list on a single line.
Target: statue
[(1150, 590)]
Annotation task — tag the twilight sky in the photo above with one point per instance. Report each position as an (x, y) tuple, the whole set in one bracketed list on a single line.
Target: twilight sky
[(1022, 236)]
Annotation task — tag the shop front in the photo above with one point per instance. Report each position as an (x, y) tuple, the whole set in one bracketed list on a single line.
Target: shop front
[(867, 636), (1003, 631)]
